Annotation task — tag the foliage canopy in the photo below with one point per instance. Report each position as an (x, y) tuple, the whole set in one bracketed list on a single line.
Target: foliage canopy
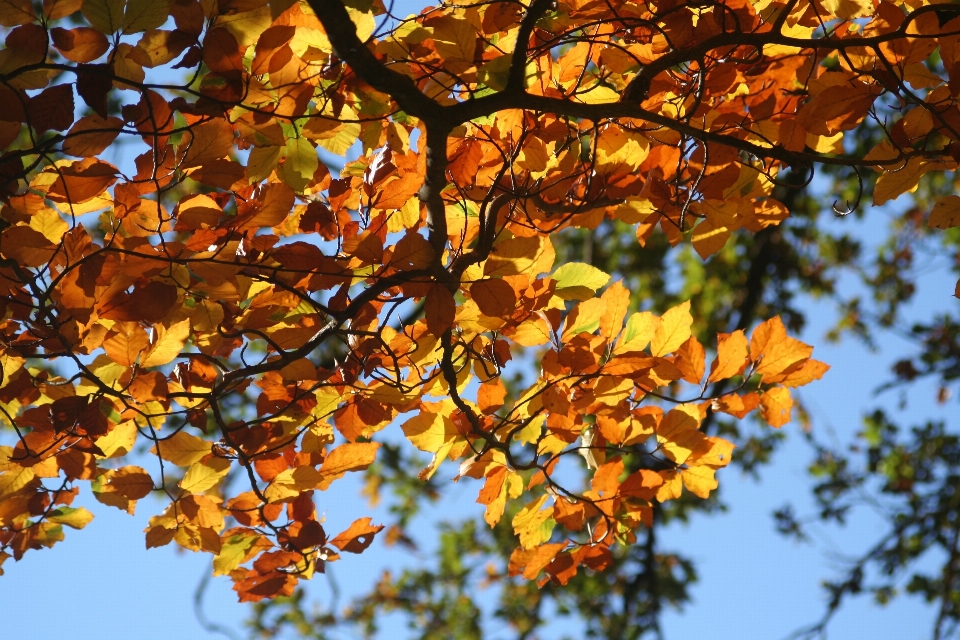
[(339, 219)]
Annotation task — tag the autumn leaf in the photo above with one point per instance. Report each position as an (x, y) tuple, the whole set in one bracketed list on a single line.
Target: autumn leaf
[(946, 213), (775, 406), (352, 456), (75, 518), (673, 330), (429, 431), (205, 475), (731, 356), (183, 449), (578, 281), (357, 537), (167, 345), (494, 297)]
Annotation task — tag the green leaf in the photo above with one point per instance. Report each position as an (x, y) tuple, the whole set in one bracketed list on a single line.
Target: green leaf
[(143, 15), (74, 518), (300, 164), (578, 280), (106, 16)]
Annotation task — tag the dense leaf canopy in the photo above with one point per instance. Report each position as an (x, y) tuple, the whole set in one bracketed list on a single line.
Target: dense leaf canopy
[(337, 221)]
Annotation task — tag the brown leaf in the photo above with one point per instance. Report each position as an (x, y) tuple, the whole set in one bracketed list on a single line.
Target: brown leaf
[(51, 109), (495, 297), (81, 44), (149, 303), (91, 135), (93, 85), (16, 12), (221, 52)]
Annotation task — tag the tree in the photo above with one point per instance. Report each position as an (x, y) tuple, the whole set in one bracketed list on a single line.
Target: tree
[(240, 306)]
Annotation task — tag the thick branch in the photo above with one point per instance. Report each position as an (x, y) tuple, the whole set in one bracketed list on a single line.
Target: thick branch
[(343, 36)]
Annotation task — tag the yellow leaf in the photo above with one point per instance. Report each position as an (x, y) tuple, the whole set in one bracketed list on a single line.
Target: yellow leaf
[(849, 9), (673, 331), (502, 485), (946, 213), (532, 525), (598, 94), (585, 317), (183, 449), (617, 146), (50, 224), (168, 344), (895, 182), (455, 39), (515, 256), (74, 518), (364, 22), (428, 431), (261, 162), (291, 482), (233, 552), (15, 479), (699, 480), (340, 142), (120, 440), (679, 433), (204, 475), (781, 355), (300, 163), (640, 329), (672, 486), (531, 332)]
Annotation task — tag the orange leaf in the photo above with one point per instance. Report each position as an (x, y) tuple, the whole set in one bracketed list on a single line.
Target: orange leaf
[(806, 373), (775, 405), (357, 537), (81, 44), (82, 181), (731, 356), (616, 301), (131, 482), (494, 297), (91, 135), (491, 395), (440, 309), (352, 456), (690, 360)]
